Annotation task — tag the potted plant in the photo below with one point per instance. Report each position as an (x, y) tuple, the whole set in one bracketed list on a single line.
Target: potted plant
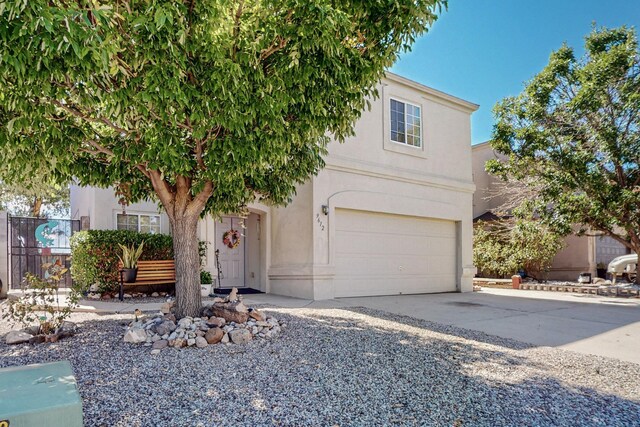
[(129, 261), (205, 283)]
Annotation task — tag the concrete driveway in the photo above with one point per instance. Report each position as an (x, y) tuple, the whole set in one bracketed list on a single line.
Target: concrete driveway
[(583, 323)]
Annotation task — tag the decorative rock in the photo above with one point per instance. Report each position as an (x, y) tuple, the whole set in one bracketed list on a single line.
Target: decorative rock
[(167, 306), (17, 337), (191, 342), (201, 342), (264, 324), (214, 335), (216, 322), (225, 339), (37, 339), (233, 295), (155, 351), (165, 327), (67, 329), (238, 306), (254, 313), (159, 345), (240, 336), (231, 312), (135, 336), (170, 317), (155, 294), (178, 343), (185, 323), (32, 330)]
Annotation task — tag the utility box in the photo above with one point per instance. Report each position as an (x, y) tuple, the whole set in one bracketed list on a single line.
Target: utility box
[(40, 395)]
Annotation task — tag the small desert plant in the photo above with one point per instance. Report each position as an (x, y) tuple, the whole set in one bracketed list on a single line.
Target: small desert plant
[(130, 255), (40, 301)]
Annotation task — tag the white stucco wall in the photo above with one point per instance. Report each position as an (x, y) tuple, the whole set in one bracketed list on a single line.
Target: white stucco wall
[(369, 173), (101, 206)]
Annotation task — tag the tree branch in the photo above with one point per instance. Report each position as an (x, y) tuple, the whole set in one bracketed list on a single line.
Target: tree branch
[(236, 28), (278, 45), (86, 117)]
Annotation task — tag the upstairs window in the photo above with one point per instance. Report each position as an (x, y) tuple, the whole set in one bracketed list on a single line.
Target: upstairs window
[(406, 123), (139, 222)]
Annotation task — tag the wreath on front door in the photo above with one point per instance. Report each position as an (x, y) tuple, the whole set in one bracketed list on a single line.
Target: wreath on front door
[(231, 239)]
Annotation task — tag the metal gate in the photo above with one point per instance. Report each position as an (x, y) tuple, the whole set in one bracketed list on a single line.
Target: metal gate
[(36, 241)]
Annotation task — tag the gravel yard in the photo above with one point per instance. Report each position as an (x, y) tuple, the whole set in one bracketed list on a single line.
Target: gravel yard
[(339, 367)]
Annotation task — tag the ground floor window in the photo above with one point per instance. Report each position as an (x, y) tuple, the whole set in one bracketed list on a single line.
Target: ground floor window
[(139, 222)]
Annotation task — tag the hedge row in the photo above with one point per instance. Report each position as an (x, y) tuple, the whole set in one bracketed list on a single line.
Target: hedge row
[(94, 254)]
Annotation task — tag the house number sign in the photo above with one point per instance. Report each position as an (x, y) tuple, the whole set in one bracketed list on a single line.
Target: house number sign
[(319, 221)]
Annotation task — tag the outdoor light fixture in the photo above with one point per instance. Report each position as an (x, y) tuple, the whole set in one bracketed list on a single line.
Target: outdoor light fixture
[(325, 209)]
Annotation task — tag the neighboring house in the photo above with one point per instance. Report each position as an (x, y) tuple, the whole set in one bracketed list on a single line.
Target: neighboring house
[(580, 254), (391, 213)]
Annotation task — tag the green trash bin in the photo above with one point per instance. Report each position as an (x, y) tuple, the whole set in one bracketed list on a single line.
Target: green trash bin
[(39, 395)]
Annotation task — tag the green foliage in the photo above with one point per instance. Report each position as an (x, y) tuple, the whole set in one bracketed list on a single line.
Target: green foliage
[(130, 255), (40, 302), (95, 254), (492, 252), (502, 248), (574, 133), (237, 97), (205, 277)]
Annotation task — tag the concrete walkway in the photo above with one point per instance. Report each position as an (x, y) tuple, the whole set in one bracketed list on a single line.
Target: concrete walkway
[(587, 324)]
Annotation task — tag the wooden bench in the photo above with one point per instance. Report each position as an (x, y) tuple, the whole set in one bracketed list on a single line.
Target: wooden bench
[(150, 273)]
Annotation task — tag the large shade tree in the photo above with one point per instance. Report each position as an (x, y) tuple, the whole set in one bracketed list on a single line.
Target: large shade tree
[(204, 105), (573, 135)]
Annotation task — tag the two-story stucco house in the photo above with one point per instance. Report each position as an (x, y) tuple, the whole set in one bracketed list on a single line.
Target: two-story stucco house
[(390, 214)]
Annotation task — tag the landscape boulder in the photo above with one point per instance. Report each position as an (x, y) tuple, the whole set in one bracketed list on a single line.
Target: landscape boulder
[(231, 312), (135, 336), (214, 335), (17, 337), (240, 336)]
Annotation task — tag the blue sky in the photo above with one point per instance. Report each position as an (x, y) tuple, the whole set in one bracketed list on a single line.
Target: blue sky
[(484, 50)]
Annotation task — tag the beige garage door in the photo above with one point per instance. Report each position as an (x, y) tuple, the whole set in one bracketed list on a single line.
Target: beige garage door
[(382, 254)]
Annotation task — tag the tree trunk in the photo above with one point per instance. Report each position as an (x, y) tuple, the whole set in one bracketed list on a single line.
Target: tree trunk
[(187, 259), (36, 207)]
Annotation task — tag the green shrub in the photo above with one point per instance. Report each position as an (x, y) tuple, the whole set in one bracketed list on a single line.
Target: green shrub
[(95, 254), (501, 248), (206, 278)]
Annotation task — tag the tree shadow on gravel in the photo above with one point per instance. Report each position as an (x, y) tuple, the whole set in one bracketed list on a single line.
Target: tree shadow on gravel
[(351, 367)]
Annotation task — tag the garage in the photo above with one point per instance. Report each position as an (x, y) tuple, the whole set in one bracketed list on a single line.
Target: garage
[(384, 254)]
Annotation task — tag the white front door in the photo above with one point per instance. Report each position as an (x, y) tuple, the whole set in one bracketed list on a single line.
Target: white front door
[(231, 259)]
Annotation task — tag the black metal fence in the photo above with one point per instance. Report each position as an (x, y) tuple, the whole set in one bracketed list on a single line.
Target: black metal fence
[(37, 241)]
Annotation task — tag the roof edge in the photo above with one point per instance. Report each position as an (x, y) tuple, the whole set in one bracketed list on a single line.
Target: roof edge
[(466, 105)]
